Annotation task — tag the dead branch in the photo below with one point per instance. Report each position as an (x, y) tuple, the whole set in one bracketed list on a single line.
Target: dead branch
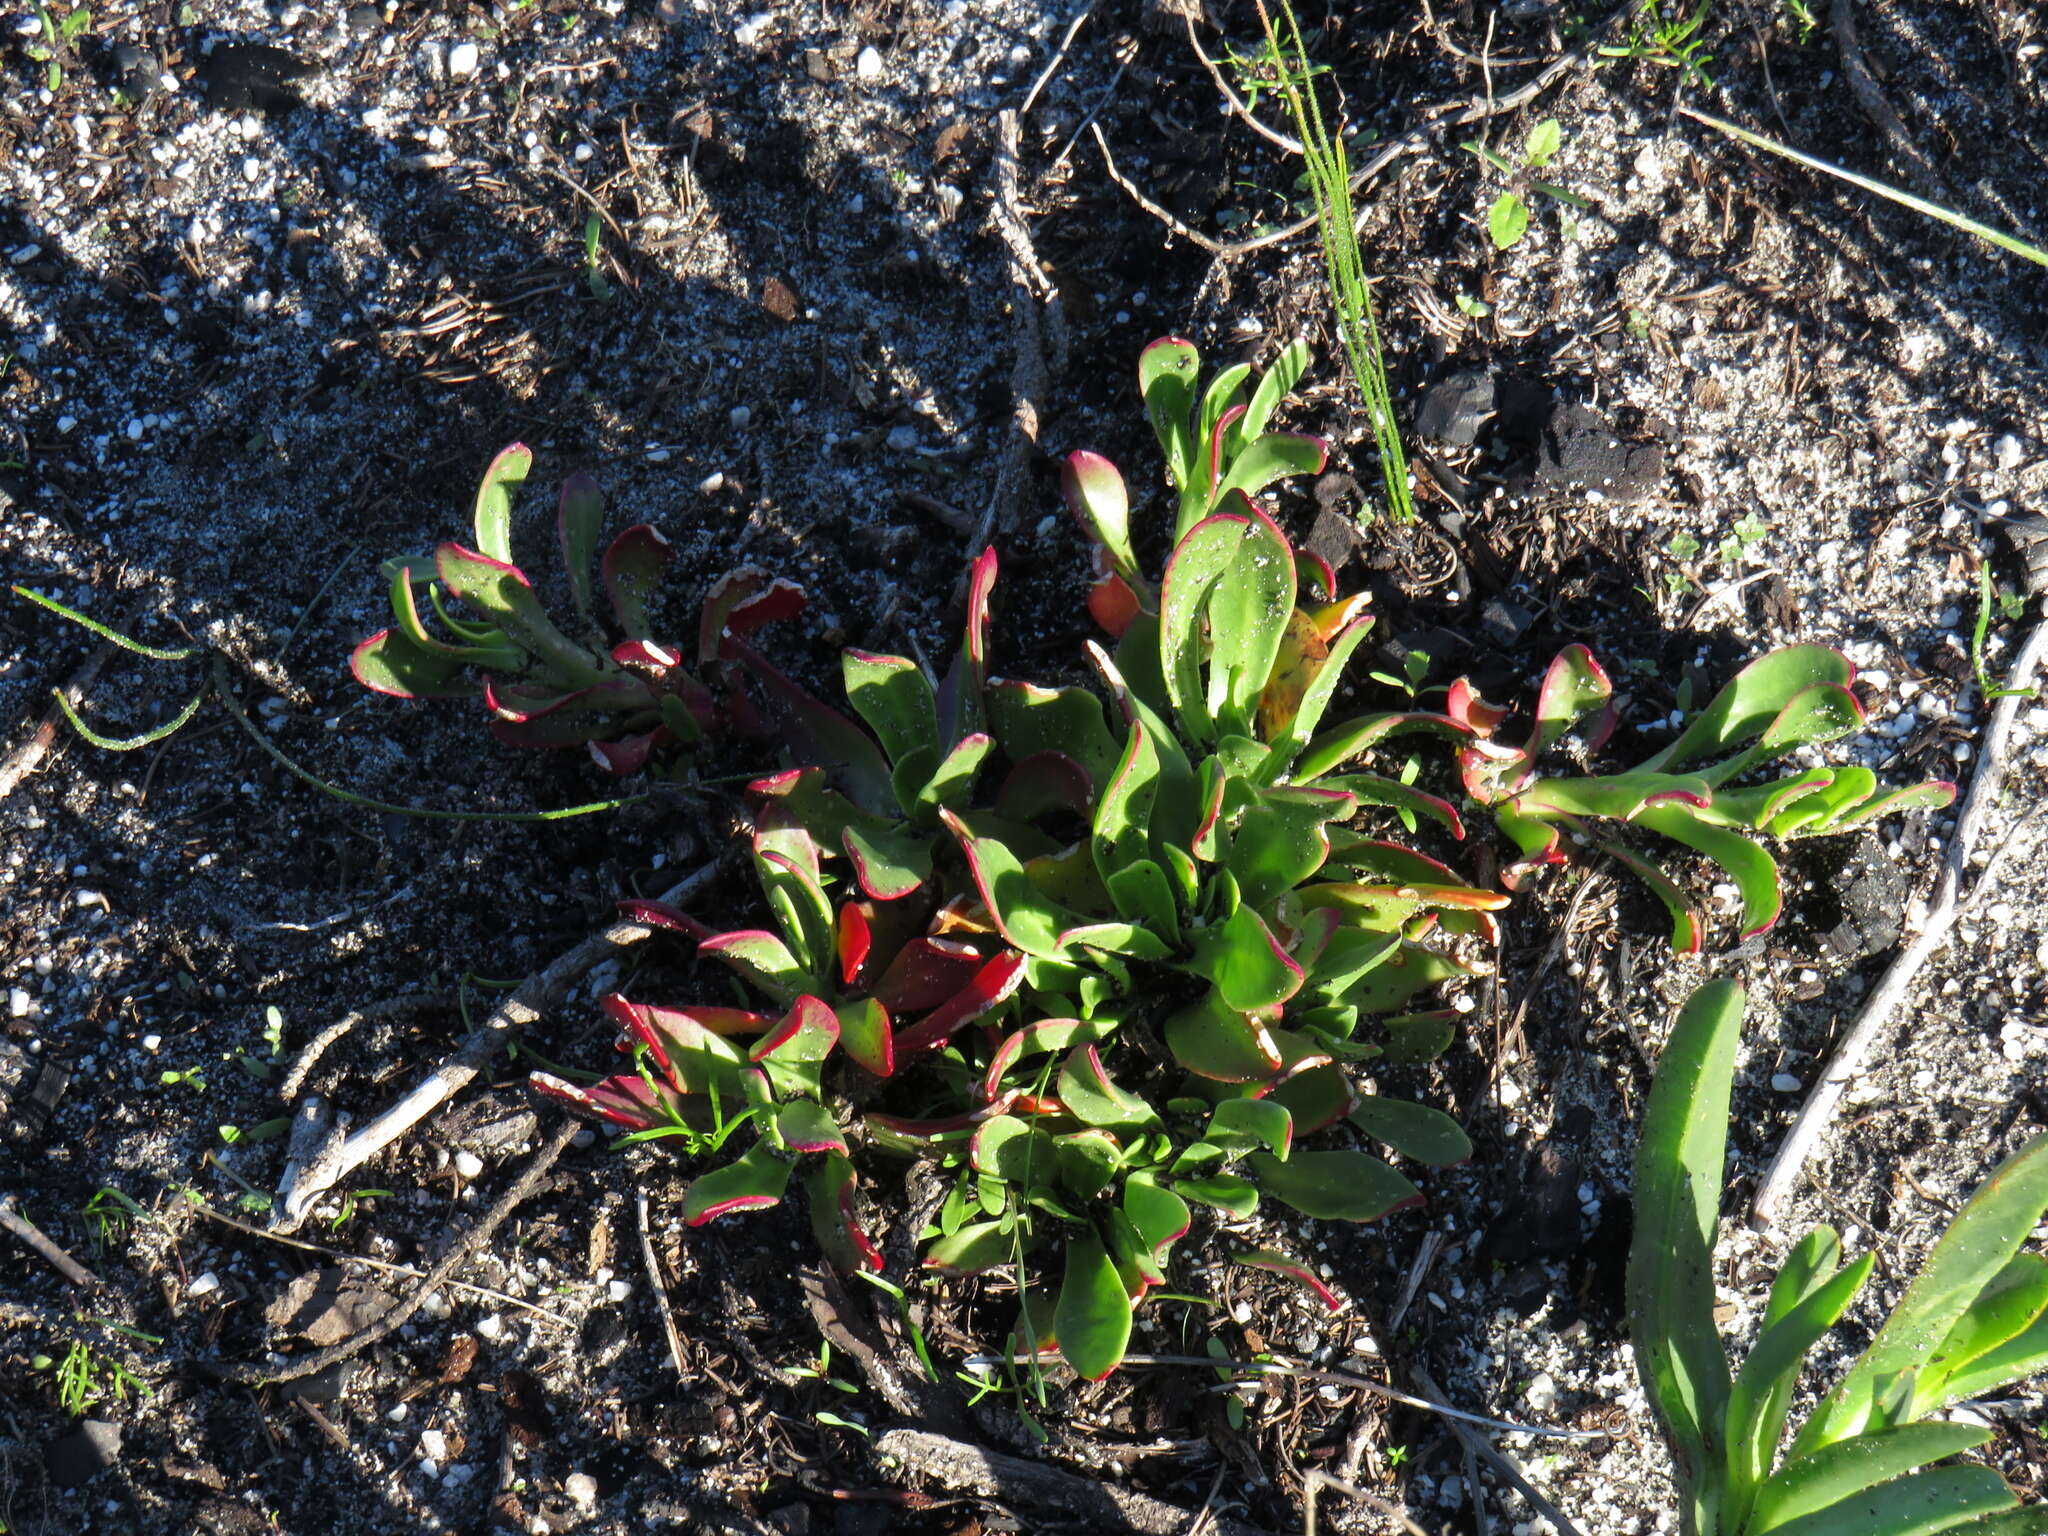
[(1878, 108), (1818, 1112), (13, 1221), (326, 1166)]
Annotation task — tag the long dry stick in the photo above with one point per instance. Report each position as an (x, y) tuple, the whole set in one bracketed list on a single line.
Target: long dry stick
[(306, 1181), (13, 1221), (1948, 904), (26, 758), (320, 1360)]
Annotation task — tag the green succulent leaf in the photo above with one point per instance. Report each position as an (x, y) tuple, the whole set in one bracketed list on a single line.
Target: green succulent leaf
[(1820, 713), (1015, 1151), (1838, 1472), (1915, 1505), (1028, 720), (1263, 460), (1752, 699), (895, 698), (1414, 1130), (1753, 870), (502, 479), (755, 1180), (1122, 834), (502, 593), (973, 1248), (1095, 494), (1247, 964), (388, 663), (1224, 1044), (805, 1126), (1240, 1125), (1685, 920), (1167, 371), (1093, 1099), (1092, 1318), (1160, 1216), (1340, 1185), (1282, 839), (1278, 383), (1226, 1192), (579, 518)]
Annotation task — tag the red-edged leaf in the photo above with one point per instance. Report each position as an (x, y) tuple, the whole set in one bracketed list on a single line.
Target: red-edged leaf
[(579, 516), (853, 937), (1685, 921), (1113, 605), (866, 1035), (1294, 1269), (1047, 1035), (1225, 1044), (992, 984), (502, 594), (1095, 495), (762, 958), (1094, 1099), (1464, 705), (808, 1127), (743, 589), (626, 1101), (1042, 782), (806, 1033), (925, 973), (821, 736), (659, 914), (961, 710), (633, 568), (390, 664), (758, 1179), (629, 754), (835, 1217)]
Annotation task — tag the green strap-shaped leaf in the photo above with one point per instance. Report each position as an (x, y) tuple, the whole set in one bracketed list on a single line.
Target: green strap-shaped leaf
[(1142, 894), (2022, 1356), (953, 780), (579, 518), (2008, 1307), (1095, 494), (1088, 1092), (1224, 395), (978, 1246), (1978, 1244), (1122, 834), (1225, 1192), (1248, 612), (1197, 565), (2030, 1521), (1837, 1472), (1679, 1165), (894, 697), (503, 593), (1819, 713), (506, 473), (1239, 1125), (1685, 921), (1763, 1387), (388, 663), (1092, 1318), (1263, 460), (1283, 839), (1915, 1505)]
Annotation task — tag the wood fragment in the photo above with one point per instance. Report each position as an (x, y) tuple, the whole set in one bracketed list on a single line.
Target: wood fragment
[(544, 990), (26, 758), (1037, 1486), (1950, 900), (1878, 108), (13, 1221)]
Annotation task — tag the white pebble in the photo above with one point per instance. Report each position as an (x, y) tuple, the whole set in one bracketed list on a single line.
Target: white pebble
[(468, 1164), (582, 1489), (619, 1290), (869, 65), (205, 1285), (433, 1445), (462, 60), (491, 1327)]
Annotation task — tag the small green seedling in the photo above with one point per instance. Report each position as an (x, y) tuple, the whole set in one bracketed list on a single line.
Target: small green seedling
[(1670, 36), (1508, 219), (593, 248), (190, 1078), (108, 1215)]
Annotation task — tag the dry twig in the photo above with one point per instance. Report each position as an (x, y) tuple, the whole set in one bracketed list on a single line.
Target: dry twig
[(1818, 1112), (13, 1221), (391, 1321), (1871, 98), (26, 758), (335, 1157)]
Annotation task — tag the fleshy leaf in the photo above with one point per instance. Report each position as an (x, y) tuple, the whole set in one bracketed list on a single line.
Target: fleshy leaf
[(758, 1179), (388, 663), (503, 593), (1096, 496), (1085, 1088), (805, 1126), (1753, 870), (978, 1246), (865, 1034), (493, 520), (579, 517), (1028, 720), (1750, 701), (1167, 370), (1414, 1130), (835, 1221), (634, 564), (895, 699), (1294, 1269), (1092, 1318), (1340, 1185)]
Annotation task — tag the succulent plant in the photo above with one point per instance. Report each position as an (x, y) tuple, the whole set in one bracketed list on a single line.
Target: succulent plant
[(618, 690), (1697, 791)]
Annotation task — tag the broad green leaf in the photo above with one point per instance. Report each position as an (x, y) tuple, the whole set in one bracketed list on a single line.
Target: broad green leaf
[(1414, 1130), (1754, 871), (867, 1035), (1093, 1099), (973, 1248), (1542, 145), (1088, 1160), (894, 697), (1837, 1472), (756, 1179), (1015, 1151), (1763, 1388), (1680, 1157), (1419, 1037), (2030, 1521), (1820, 713), (1216, 1041), (1027, 720), (1175, 808), (1248, 611), (1142, 893), (1160, 1216), (1750, 701), (1341, 1185), (507, 472), (1246, 962), (1223, 396), (388, 663), (806, 1126), (1029, 919), (1092, 1318), (1978, 1244), (1239, 1125), (890, 862), (1167, 370), (1507, 220), (2012, 1303), (762, 959), (834, 1220), (1263, 460), (1282, 840), (953, 780), (1574, 685), (1396, 980), (1617, 797), (1224, 1191), (1916, 1505), (1197, 565)]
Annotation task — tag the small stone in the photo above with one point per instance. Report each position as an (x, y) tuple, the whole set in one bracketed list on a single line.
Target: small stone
[(1784, 1082), (740, 417), (462, 60), (903, 439), (712, 483), (19, 1003), (468, 1164), (582, 1490), (619, 1290), (76, 1459), (433, 1445), (152, 1043), (205, 1285), (2006, 453), (491, 1327), (869, 65)]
